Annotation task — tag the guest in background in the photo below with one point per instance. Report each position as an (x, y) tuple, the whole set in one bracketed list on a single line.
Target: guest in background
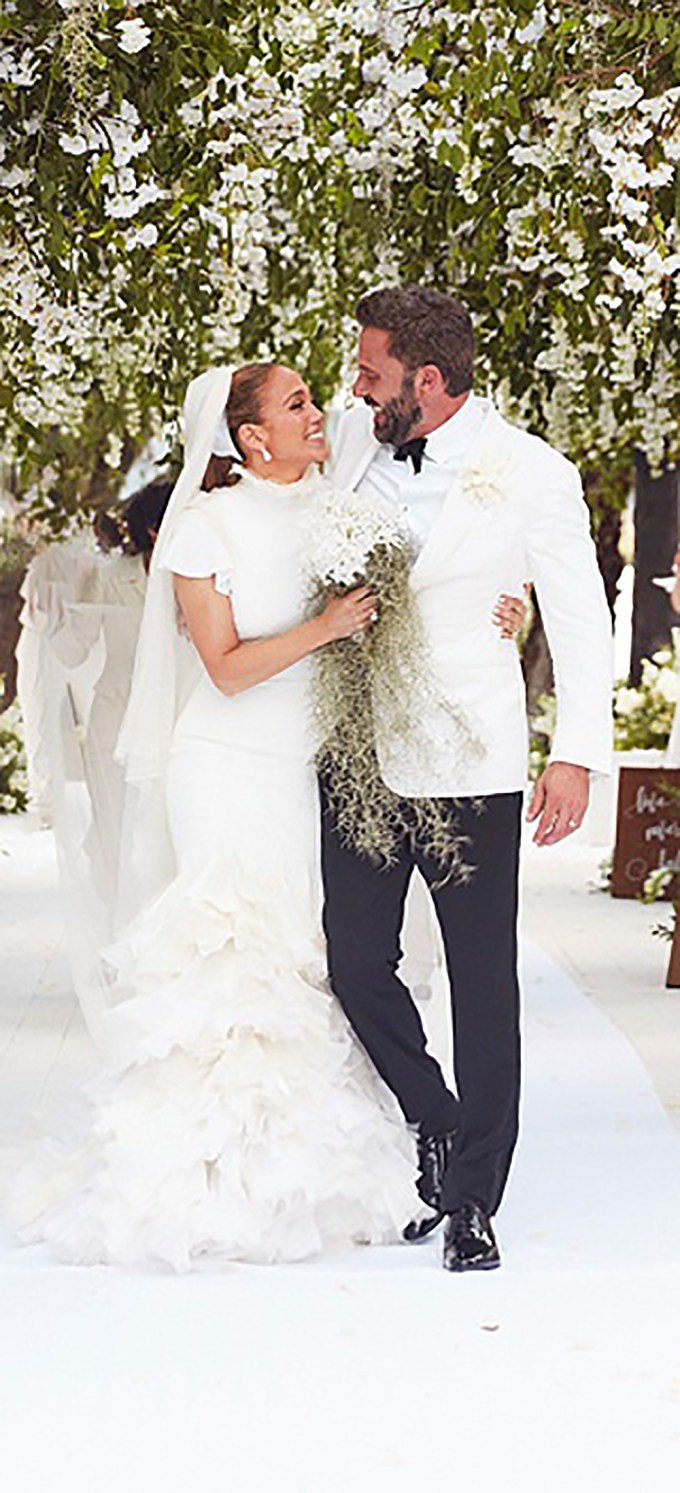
[(82, 609)]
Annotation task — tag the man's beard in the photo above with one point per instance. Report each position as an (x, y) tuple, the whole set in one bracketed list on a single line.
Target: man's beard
[(393, 423)]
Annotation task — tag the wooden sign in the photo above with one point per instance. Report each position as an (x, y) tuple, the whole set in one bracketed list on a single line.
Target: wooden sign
[(673, 976), (647, 828)]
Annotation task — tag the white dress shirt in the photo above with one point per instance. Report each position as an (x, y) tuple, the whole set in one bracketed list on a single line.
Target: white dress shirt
[(420, 495)]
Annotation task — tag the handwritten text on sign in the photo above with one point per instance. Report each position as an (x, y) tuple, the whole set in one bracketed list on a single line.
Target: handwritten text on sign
[(647, 827)]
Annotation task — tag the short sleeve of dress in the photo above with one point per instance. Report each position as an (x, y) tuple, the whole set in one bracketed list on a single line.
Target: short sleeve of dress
[(195, 550)]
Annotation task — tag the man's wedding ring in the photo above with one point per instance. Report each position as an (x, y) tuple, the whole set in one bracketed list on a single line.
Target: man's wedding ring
[(373, 617)]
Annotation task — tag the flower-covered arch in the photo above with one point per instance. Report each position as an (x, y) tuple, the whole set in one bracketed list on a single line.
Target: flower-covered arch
[(185, 181)]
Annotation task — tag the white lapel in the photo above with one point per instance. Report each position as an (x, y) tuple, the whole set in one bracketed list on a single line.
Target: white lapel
[(464, 508)]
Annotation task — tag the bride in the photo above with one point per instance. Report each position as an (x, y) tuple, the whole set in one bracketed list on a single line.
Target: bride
[(237, 1118)]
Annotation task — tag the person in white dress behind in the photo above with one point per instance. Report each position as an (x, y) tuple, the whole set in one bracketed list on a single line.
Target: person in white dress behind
[(83, 604)]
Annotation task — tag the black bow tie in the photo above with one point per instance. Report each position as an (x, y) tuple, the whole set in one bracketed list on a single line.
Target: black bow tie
[(415, 449)]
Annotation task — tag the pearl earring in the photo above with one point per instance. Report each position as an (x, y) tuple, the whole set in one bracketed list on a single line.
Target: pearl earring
[(265, 454)]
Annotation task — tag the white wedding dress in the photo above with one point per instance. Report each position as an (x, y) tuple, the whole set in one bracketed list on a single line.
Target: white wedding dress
[(237, 1118)]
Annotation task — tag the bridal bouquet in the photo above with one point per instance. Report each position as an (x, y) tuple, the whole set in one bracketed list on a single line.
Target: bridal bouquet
[(377, 680)]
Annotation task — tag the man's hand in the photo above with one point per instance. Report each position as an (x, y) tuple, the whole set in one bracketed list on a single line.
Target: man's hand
[(559, 802)]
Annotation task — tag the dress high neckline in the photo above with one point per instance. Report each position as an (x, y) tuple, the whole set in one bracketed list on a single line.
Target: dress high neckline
[(282, 489)]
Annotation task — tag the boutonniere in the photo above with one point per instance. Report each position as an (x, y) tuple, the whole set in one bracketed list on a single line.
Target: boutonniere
[(485, 480)]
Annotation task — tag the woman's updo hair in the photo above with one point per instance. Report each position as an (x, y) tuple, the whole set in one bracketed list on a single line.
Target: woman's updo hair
[(244, 407)]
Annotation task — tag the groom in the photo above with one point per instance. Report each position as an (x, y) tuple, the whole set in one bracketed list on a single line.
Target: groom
[(488, 507)]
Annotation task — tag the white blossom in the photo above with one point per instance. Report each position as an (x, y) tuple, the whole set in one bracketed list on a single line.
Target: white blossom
[(128, 204), (73, 145), (134, 36), (628, 171), (624, 94), (143, 238), (635, 208), (626, 700), (365, 17), (660, 175), (191, 113), (375, 69), (21, 73), (14, 177), (114, 451), (342, 532), (535, 27), (407, 80)]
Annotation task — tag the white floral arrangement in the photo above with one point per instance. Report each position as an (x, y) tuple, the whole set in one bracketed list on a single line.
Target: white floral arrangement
[(342, 533), (643, 714), (385, 679)]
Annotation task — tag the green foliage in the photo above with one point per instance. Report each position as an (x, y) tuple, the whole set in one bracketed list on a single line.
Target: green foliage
[(541, 732), (16, 549), (13, 779), (230, 189)]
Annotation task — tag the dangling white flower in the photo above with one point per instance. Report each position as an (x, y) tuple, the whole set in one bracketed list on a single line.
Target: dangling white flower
[(73, 145), (15, 177), (535, 27), (142, 238), (113, 454), (134, 36)]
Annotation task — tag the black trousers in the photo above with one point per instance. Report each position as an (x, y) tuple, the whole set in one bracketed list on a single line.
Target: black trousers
[(363, 914)]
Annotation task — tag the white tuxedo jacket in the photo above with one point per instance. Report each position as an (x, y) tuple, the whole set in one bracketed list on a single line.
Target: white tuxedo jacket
[(515, 513)]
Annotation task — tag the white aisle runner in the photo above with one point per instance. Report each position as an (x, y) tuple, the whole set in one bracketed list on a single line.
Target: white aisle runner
[(375, 1371)]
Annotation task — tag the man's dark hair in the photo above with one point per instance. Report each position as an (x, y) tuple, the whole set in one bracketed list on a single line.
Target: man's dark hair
[(133, 526), (424, 326), (142, 515)]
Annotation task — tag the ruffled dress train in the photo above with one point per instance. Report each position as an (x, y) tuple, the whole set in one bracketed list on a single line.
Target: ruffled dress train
[(237, 1119)]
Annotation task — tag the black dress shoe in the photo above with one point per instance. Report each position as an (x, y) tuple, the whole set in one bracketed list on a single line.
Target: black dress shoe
[(434, 1154), (421, 1228), (469, 1241)]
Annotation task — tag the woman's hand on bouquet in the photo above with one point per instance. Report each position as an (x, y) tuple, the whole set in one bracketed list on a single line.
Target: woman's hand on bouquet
[(349, 615), (510, 612)]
